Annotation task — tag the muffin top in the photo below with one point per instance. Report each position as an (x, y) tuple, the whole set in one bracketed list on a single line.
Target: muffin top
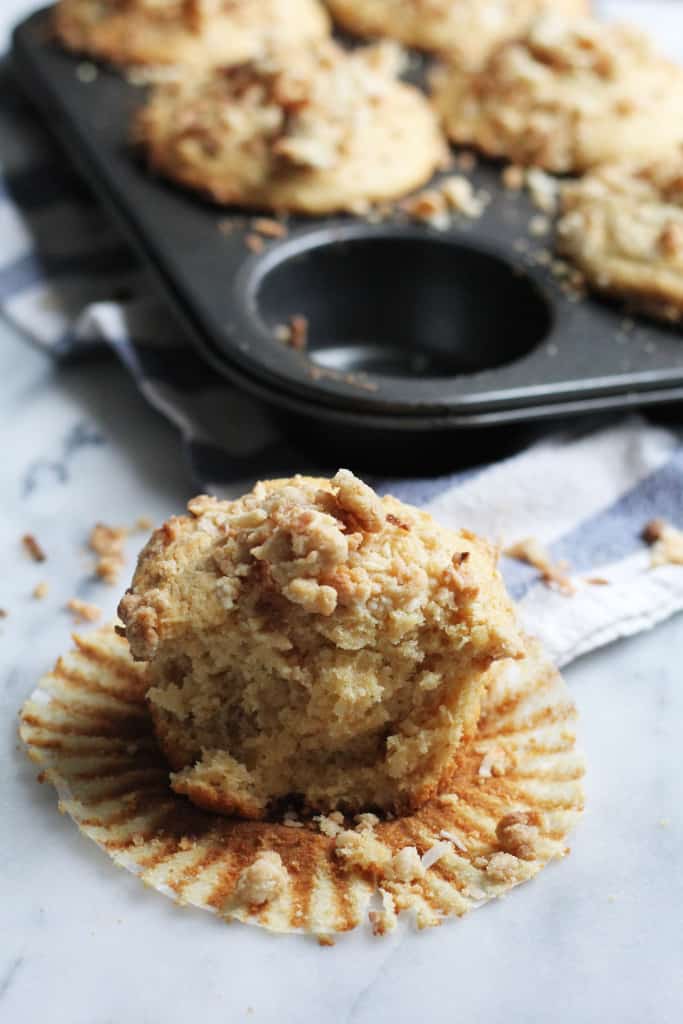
[(196, 33), (311, 129), (566, 95), (622, 225), (467, 30)]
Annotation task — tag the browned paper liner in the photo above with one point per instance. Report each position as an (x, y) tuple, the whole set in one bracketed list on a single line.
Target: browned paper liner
[(88, 728)]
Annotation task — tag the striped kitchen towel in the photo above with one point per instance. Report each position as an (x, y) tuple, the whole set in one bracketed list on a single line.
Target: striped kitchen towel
[(69, 283)]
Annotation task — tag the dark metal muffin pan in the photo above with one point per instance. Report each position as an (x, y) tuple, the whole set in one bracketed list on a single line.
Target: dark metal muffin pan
[(410, 329)]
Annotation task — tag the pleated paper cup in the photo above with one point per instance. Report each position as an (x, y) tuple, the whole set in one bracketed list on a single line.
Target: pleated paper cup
[(515, 795)]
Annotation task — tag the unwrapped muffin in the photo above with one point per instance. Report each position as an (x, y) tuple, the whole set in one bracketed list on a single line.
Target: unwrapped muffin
[(314, 642)]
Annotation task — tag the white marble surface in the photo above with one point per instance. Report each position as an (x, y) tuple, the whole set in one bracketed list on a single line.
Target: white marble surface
[(598, 937)]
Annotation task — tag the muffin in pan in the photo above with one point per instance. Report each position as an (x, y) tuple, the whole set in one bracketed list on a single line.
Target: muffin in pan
[(566, 96), (314, 641), (180, 32), (467, 30), (311, 130), (622, 226)]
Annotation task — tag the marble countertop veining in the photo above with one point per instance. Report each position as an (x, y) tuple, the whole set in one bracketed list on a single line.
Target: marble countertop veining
[(598, 937)]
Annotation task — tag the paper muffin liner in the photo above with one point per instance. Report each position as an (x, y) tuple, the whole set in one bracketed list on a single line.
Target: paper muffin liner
[(514, 796)]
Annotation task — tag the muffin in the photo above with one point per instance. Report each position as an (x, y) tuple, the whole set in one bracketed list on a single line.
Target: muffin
[(311, 130), (622, 226), (194, 32), (467, 30), (565, 96), (312, 642)]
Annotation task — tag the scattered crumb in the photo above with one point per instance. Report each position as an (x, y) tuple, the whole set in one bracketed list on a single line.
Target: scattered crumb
[(3, 613), (406, 865), (454, 194), (83, 611), (466, 161), (428, 206), (664, 822), (597, 581), (325, 940), (86, 72), (269, 227), (33, 548), (107, 542), (143, 523), (504, 868), (384, 921), (331, 824), (539, 225), (298, 332), (533, 553), (513, 177), (461, 197), (517, 836), (666, 543), (361, 850), (543, 189), (363, 822), (263, 881), (254, 242), (227, 226), (40, 591)]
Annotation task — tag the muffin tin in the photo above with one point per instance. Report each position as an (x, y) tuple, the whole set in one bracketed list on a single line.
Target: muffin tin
[(411, 329)]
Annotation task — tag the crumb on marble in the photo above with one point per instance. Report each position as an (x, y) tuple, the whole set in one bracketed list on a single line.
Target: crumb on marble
[(40, 591), (108, 542), (33, 548), (83, 611)]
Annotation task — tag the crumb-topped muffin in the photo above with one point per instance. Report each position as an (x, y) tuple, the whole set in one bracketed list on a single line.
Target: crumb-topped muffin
[(315, 641), (467, 30), (311, 130), (199, 32), (622, 225), (565, 96)]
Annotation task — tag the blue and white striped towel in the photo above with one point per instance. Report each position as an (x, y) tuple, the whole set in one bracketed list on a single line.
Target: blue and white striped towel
[(585, 496)]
